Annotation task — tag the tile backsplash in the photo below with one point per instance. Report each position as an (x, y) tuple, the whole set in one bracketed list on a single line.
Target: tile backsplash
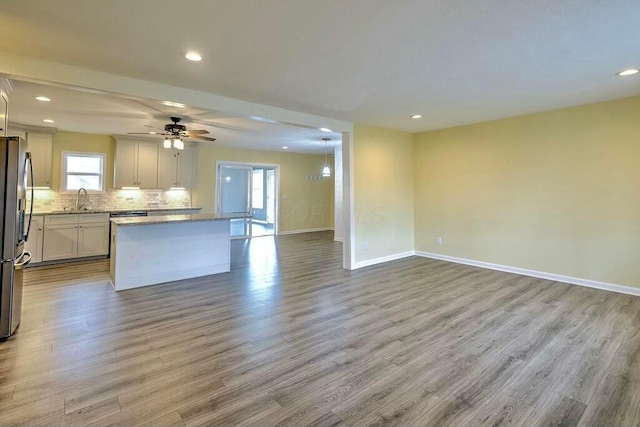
[(50, 200)]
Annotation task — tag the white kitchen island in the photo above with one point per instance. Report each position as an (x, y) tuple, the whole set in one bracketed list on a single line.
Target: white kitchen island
[(151, 250)]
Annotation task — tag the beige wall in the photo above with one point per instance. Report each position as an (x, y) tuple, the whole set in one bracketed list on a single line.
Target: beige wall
[(308, 204), (383, 192), (557, 192), (81, 143)]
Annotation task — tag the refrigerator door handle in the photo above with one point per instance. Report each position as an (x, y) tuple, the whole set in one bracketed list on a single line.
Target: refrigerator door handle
[(30, 160), (23, 263), (12, 260)]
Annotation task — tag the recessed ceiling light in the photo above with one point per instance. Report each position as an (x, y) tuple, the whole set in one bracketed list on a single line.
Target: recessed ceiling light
[(48, 121), (629, 72), (284, 147), (193, 56), (173, 104), (326, 130), (43, 98), (416, 116), (262, 119)]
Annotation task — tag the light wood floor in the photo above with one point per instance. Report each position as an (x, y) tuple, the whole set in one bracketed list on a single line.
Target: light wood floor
[(290, 338)]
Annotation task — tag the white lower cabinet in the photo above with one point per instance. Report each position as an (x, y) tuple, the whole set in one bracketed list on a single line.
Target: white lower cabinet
[(75, 236), (93, 239), (34, 244), (60, 242)]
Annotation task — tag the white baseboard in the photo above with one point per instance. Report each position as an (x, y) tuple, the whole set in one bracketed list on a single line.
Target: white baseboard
[(380, 260), (539, 274), (306, 230)]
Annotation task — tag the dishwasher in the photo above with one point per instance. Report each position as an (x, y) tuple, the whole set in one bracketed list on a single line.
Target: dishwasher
[(122, 214)]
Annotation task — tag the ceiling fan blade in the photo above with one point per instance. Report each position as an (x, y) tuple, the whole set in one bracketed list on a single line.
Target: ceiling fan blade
[(197, 131), (143, 133), (204, 138), (153, 127)]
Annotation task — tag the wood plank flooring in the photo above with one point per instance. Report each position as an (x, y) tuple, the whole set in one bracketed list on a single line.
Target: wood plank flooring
[(290, 338)]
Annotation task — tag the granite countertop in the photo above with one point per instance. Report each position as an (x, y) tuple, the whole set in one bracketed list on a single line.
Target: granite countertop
[(90, 211), (164, 219)]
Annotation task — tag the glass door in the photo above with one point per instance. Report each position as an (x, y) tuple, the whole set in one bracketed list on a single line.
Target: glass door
[(234, 191)]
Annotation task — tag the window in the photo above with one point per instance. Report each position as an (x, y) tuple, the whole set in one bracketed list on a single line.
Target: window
[(81, 170)]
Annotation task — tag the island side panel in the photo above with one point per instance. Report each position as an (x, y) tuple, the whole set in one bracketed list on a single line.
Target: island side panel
[(112, 255), (150, 254)]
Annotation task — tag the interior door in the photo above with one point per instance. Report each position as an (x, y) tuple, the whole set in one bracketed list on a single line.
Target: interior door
[(270, 192), (234, 197), (258, 196)]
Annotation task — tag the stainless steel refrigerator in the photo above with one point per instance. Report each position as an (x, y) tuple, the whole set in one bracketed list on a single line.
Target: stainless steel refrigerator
[(15, 224)]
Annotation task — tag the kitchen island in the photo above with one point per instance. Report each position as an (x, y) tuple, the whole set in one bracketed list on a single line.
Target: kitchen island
[(151, 250)]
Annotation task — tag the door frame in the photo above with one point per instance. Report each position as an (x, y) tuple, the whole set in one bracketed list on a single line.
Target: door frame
[(218, 188)]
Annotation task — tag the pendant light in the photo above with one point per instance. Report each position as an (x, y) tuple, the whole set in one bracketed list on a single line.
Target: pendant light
[(178, 144), (167, 143), (326, 170)]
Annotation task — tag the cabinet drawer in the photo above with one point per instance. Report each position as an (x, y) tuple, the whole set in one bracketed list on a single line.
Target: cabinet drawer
[(60, 219), (94, 218)]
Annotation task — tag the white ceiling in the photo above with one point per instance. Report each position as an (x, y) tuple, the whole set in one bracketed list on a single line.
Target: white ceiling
[(365, 61), (90, 112)]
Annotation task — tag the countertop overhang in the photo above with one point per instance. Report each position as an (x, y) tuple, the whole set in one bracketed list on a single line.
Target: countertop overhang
[(90, 211), (165, 219)]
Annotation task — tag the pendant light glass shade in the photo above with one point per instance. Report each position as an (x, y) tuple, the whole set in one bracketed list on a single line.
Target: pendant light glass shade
[(167, 143), (326, 170), (178, 144)]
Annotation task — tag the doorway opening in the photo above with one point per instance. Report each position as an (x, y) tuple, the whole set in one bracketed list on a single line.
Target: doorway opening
[(248, 194), (263, 203)]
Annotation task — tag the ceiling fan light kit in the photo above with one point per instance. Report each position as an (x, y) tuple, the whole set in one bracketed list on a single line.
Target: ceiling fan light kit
[(175, 132)]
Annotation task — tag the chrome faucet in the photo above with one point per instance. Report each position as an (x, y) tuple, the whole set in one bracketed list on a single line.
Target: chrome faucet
[(78, 204)]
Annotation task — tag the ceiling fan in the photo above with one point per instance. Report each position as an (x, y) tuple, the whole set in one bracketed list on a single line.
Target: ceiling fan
[(174, 132)]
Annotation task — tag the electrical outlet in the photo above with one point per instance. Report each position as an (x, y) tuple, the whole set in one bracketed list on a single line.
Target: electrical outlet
[(438, 240), (366, 245)]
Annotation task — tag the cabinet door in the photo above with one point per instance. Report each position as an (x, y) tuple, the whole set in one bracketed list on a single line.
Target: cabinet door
[(147, 165), (93, 239), (34, 244), (4, 112), (186, 167), (126, 167), (167, 168), (60, 242), (40, 146), (14, 132)]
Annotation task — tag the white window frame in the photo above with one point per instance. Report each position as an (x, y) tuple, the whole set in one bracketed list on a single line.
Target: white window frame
[(63, 170)]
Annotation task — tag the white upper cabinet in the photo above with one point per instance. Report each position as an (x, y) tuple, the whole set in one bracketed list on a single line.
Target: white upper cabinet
[(126, 164), (186, 167), (4, 107), (147, 165), (17, 132), (167, 168), (41, 148), (136, 164), (176, 168)]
